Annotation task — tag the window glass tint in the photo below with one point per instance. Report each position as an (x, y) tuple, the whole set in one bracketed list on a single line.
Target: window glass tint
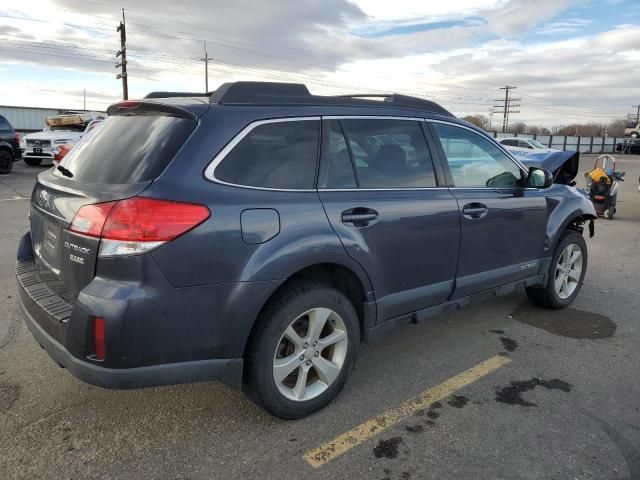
[(475, 161), (274, 155), (389, 153), (127, 149), (523, 144), (509, 143), (4, 124), (339, 167)]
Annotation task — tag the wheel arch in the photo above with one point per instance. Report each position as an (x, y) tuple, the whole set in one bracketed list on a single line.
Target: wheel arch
[(350, 281)]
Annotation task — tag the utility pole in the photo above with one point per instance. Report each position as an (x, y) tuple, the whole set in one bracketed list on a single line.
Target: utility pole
[(123, 62), (206, 67), (507, 106), (637, 113), (84, 98)]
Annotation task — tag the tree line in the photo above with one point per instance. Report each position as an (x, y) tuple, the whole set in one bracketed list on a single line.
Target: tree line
[(611, 129)]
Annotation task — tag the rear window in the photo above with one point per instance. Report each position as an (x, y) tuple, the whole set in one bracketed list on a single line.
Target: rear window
[(128, 148), (279, 155)]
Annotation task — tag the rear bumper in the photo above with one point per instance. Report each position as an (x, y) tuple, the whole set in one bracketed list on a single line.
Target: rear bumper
[(228, 371), (156, 334)]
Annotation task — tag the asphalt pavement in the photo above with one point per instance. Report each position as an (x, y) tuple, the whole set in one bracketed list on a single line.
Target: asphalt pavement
[(500, 390)]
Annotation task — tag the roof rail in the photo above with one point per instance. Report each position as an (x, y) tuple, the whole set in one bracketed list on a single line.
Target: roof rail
[(275, 93), (174, 94)]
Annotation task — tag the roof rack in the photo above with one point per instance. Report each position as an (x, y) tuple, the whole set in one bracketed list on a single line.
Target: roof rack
[(275, 93)]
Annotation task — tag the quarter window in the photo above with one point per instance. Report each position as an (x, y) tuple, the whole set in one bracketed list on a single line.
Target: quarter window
[(274, 155), (475, 161), (384, 154)]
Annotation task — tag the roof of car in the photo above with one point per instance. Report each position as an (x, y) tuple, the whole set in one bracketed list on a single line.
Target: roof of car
[(296, 94)]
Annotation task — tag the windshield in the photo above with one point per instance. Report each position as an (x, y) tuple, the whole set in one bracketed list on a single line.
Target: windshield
[(127, 149), (536, 144)]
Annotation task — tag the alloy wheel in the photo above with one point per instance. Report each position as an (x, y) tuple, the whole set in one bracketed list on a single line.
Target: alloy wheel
[(310, 354), (568, 271)]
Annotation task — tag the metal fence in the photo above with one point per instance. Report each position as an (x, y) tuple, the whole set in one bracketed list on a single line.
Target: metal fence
[(565, 142)]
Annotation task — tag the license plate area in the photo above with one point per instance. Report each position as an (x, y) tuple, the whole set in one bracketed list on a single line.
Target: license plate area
[(37, 149)]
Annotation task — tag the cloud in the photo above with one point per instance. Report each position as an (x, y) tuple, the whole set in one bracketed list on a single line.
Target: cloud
[(458, 52)]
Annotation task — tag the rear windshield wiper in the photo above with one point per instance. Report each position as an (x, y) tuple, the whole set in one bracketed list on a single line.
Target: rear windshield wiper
[(65, 171)]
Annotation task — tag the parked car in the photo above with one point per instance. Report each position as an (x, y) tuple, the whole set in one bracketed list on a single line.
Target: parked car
[(632, 130), (67, 128), (61, 151), (9, 146), (629, 146), (521, 142), (212, 238)]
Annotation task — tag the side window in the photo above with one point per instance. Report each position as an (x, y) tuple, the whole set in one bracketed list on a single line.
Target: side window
[(523, 144), (475, 161), (385, 153), (274, 155), (509, 143), (340, 172)]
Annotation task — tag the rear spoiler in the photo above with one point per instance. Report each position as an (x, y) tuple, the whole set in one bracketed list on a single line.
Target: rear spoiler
[(138, 107)]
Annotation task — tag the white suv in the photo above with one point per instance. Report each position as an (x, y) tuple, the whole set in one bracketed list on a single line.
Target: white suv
[(40, 146)]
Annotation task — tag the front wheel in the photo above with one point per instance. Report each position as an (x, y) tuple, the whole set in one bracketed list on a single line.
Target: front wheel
[(566, 273), (303, 348)]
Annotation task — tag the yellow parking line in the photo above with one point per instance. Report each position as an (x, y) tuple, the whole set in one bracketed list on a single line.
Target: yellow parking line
[(357, 435)]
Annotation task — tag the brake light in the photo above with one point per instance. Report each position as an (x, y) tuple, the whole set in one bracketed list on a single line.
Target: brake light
[(17, 137), (137, 225), (128, 104), (89, 220), (99, 338)]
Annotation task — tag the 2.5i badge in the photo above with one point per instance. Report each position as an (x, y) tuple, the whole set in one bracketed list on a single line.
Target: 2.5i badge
[(77, 249)]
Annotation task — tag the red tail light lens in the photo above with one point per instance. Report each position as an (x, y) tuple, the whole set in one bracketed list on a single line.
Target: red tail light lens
[(17, 136), (137, 225), (98, 338), (90, 219), (149, 220)]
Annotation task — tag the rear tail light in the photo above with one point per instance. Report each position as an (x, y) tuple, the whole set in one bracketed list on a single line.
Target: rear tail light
[(137, 225), (17, 137), (98, 338)]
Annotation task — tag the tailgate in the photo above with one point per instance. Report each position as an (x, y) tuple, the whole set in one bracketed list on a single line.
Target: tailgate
[(66, 261)]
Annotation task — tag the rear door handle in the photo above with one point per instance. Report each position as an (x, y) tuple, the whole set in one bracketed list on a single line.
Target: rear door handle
[(360, 217), (474, 210)]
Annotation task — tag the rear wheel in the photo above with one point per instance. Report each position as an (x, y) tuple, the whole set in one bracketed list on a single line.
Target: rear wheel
[(6, 161), (302, 350), (566, 273), (34, 162)]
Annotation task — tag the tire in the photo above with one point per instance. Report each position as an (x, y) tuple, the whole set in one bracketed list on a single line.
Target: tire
[(6, 161), (292, 310), (34, 162), (550, 296)]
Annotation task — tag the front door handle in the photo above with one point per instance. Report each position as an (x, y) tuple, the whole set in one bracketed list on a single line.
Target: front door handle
[(360, 217), (474, 210)]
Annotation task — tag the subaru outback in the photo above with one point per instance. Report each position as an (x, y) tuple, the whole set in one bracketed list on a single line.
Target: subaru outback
[(257, 235)]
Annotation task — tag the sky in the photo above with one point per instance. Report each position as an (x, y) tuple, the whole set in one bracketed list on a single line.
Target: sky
[(571, 60)]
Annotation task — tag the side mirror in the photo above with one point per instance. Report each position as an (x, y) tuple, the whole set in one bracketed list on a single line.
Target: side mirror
[(539, 178)]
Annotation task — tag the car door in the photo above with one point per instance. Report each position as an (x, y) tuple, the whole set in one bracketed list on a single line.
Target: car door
[(390, 209), (503, 222)]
